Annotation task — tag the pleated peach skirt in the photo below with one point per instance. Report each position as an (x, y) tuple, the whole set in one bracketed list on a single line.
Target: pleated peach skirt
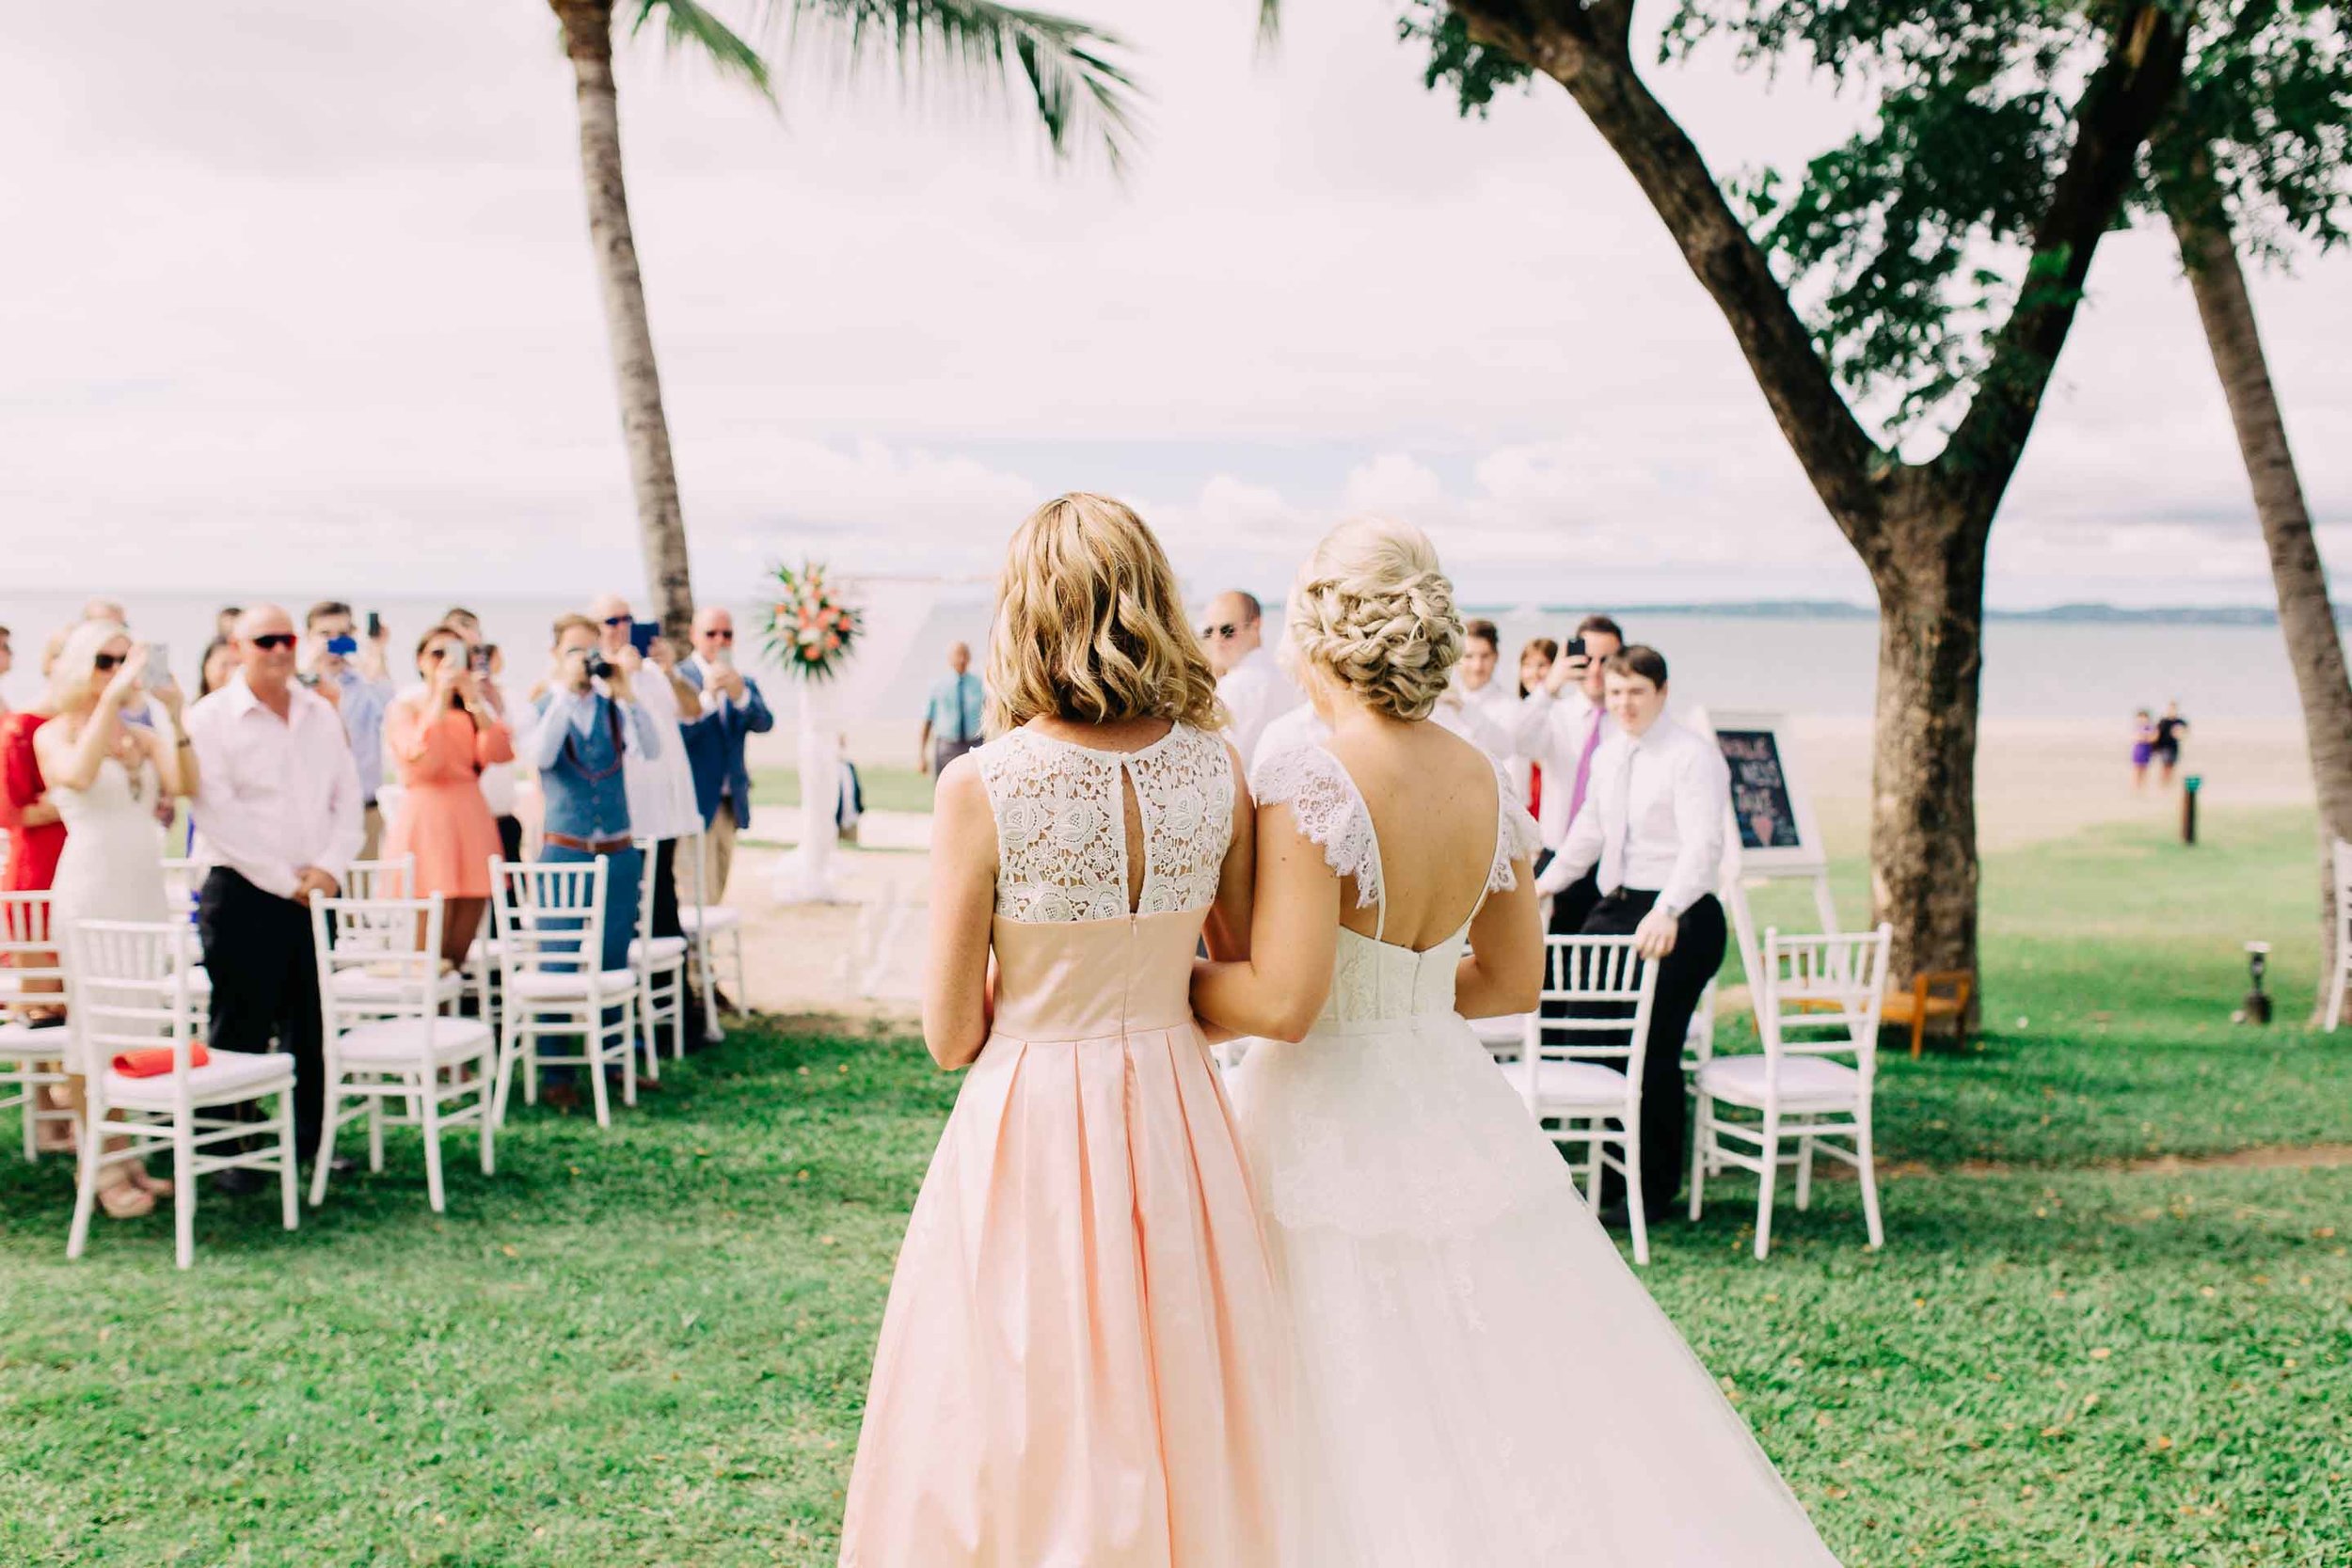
[(1080, 1366)]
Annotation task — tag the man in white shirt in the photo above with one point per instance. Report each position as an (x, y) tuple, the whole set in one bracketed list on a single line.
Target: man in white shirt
[(1559, 728), (660, 782), (277, 819), (1253, 686), (1652, 833)]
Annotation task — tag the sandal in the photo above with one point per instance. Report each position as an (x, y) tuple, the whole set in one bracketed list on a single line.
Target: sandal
[(154, 1186), (124, 1199)]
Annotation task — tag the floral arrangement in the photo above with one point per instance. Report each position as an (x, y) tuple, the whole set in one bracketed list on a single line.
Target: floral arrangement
[(810, 632)]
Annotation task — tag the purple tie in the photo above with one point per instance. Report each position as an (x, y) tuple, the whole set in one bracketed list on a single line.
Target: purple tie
[(1585, 766)]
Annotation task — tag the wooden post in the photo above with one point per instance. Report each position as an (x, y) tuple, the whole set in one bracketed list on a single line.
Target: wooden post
[(2189, 787)]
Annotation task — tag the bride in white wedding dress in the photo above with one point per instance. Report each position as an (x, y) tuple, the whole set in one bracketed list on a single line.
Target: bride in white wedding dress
[(1480, 1380)]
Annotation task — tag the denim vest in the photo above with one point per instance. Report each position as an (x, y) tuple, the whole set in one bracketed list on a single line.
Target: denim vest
[(583, 792)]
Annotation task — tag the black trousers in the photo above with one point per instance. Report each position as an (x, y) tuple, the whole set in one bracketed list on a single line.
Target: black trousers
[(664, 874), (1682, 977), (266, 986), (1570, 906)]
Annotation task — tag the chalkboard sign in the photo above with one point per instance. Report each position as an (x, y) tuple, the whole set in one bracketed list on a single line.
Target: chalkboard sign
[(1760, 806), (1772, 818)]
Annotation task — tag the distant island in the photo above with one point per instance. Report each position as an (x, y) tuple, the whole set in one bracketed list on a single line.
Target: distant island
[(1839, 609)]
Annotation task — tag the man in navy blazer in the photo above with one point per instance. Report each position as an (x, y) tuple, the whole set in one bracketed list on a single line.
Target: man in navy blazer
[(732, 709)]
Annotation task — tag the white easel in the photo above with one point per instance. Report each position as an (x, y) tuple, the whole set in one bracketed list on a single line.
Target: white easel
[(1749, 861)]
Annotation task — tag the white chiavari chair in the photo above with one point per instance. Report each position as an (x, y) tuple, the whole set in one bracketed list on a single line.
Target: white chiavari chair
[(550, 931), (711, 928), (1808, 1092), (393, 1052), (32, 968), (660, 965), (131, 993), (1580, 1074)]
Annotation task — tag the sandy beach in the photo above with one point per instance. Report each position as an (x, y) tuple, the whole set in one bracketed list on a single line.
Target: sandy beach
[(2037, 780)]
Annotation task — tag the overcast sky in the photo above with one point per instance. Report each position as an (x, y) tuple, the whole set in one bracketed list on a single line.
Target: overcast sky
[(299, 296)]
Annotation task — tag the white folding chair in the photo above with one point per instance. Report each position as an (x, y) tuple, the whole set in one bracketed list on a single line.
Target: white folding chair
[(33, 970), (709, 926), (385, 878), (660, 965), (183, 886), (1505, 1038), (2342, 980), (392, 1037), (550, 932), (131, 992), (1818, 999), (1581, 1072)]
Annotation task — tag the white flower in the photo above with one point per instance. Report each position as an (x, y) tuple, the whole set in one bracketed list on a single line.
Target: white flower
[(1020, 821), (1079, 823), (1050, 904), (1184, 811)]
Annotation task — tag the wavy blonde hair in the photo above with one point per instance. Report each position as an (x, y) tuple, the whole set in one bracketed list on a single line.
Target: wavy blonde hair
[(1372, 610), (1091, 627)]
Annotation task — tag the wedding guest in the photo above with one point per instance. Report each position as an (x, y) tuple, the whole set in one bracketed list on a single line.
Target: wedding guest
[(355, 679), (96, 608), (225, 622), (587, 723), (1561, 727), (1252, 687), (35, 840), (733, 710), (442, 739), (1535, 664), (106, 775), (1652, 834), (952, 714), (218, 667), (278, 813), (660, 782), (489, 663), (7, 662), (1475, 705)]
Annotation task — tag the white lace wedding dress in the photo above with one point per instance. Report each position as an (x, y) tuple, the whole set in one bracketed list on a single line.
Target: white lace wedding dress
[(1480, 1381)]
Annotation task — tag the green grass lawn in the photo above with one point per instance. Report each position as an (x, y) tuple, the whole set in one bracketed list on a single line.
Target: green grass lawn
[(649, 1345)]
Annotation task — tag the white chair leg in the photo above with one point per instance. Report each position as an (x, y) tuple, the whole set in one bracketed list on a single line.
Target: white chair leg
[(183, 1190), (1805, 1174), (592, 1032), (429, 1118), (628, 1051), (2335, 991), (1771, 1163), (1699, 1135), (1635, 1215), (325, 1156), (502, 1053), (86, 1186), (1866, 1166), (290, 1164), (482, 1108), (376, 1132)]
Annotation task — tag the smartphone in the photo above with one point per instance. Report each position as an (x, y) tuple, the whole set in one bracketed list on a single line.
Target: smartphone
[(479, 661), (1574, 649), (641, 633), (344, 646), (158, 671), (375, 626)]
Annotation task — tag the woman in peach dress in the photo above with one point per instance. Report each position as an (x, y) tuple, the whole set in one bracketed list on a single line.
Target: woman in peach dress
[(442, 739), (1080, 1361)]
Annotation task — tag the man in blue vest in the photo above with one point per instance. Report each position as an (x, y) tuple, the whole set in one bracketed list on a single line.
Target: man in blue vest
[(732, 711), (587, 720)]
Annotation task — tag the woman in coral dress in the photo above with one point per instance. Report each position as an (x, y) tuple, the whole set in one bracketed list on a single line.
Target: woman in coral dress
[(440, 740), (1079, 1364)]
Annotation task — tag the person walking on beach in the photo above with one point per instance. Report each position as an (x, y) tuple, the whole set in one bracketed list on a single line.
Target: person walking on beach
[(2169, 729), (951, 715), (2143, 746)]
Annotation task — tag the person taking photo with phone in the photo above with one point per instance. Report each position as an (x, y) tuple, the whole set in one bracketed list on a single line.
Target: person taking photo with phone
[(1559, 727), (441, 738), (352, 677), (732, 710)]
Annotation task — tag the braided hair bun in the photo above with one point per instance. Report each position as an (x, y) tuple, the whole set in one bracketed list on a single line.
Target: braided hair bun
[(1374, 613)]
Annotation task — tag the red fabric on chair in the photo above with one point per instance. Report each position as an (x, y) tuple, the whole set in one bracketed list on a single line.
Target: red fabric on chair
[(157, 1061)]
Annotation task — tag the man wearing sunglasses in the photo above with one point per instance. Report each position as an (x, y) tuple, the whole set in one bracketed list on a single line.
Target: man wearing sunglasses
[(277, 820), (732, 711), (1250, 685)]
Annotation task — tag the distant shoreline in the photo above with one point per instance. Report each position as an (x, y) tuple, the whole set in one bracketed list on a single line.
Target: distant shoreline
[(1839, 609)]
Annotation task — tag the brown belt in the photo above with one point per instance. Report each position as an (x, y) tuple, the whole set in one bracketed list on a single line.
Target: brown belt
[(588, 846)]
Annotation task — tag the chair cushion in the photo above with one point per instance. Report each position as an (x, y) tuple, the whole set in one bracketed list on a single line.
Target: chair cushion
[(712, 915), (1573, 1085), (1807, 1083), (665, 950), (357, 984), (560, 985), (397, 1042), (22, 1042), (231, 1075)]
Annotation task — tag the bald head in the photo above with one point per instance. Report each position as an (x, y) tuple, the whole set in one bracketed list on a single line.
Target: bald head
[(714, 634), (960, 656), (265, 649), (1233, 630)]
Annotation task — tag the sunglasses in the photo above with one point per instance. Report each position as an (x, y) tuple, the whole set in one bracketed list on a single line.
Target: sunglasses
[(721, 636), (270, 641), (1219, 634), (104, 662), (616, 620)]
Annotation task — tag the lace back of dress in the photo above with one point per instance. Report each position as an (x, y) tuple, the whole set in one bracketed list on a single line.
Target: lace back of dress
[(1061, 824)]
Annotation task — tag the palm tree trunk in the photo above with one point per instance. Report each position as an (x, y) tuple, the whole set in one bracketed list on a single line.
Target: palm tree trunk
[(2307, 617), (662, 528)]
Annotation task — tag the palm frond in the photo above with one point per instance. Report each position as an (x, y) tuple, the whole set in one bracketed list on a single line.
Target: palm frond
[(1069, 67), (688, 26)]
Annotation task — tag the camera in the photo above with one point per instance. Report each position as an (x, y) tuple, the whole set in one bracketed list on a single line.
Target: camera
[(1574, 649), (599, 667)]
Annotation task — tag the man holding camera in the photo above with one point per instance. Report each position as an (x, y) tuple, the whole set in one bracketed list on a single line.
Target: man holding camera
[(355, 681), (1559, 727)]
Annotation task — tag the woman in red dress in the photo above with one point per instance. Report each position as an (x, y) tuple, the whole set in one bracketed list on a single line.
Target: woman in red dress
[(35, 839), (440, 740)]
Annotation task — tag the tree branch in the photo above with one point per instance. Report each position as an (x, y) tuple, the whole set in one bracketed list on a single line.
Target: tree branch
[(2120, 107), (1561, 39)]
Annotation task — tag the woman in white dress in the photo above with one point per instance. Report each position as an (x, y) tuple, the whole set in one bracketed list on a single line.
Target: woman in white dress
[(106, 775), (1480, 1380)]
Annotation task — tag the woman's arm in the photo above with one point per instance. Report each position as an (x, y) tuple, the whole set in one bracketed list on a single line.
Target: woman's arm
[(72, 762), (1294, 932), (174, 759), (1502, 974), (964, 909), (1228, 929)]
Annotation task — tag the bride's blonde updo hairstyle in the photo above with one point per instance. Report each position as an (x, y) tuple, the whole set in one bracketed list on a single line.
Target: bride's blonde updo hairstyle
[(1090, 626), (1372, 611)]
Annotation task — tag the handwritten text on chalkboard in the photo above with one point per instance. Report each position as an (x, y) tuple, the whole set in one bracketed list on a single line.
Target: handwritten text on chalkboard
[(1759, 790)]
